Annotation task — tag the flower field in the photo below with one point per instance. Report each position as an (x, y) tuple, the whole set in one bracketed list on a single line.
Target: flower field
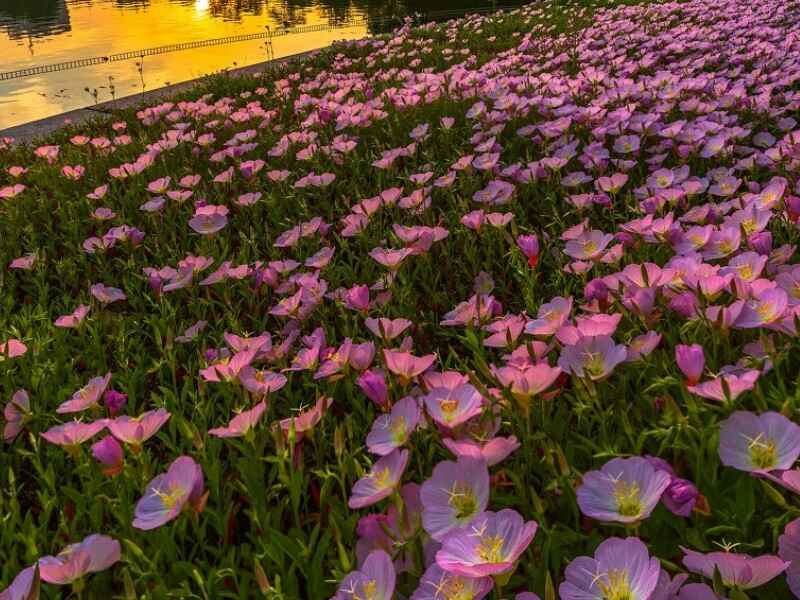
[(500, 307)]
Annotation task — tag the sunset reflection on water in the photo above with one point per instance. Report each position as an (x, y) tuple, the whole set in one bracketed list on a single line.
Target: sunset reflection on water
[(36, 32)]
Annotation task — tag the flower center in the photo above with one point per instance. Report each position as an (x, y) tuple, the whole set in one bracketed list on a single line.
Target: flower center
[(490, 549), (627, 497), (463, 501), (398, 430), (382, 477), (763, 453), (616, 587), (767, 312)]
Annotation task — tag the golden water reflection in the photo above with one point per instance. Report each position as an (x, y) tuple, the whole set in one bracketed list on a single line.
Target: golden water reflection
[(85, 28)]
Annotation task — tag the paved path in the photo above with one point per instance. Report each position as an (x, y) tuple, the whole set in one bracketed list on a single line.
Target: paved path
[(35, 129)]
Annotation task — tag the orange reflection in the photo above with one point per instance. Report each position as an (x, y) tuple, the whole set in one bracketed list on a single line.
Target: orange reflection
[(104, 27)]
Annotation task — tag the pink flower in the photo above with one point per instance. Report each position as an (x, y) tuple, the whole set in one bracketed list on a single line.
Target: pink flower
[(550, 317), (592, 357), (73, 319), (170, 493), (12, 191), (209, 219), (24, 263), (242, 423), (390, 258), (107, 294), (109, 453), (727, 386), (137, 430), (407, 366), (691, 361), (73, 433), (12, 348), (493, 452), (16, 413), (381, 481), (94, 554), (529, 245), (306, 420), (589, 245), (86, 397), (490, 545), (387, 329), (740, 570), (451, 408)]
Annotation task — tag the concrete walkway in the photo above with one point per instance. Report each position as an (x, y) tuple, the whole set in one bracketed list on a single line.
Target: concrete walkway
[(28, 132)]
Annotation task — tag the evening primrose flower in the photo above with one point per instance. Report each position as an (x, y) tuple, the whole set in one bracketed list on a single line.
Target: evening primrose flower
[(450, 408), (12, 348), (740, 571), (789, 550), (393, 430), (109, 453), (73, 319), (137, 430), (592, 357), (26, 585), (492, 451), (387, 329), (490, 545), (73, 433), (759, 443), (106, 294), (590, 245), (550, 317), (382, 480), (86, 397), (242, 423), (766, 308), (168, 494), (209, 219), (17, 411), (625, 490), (407, 366), (94, 554), (373, 581), (727, 386), (305, 420), (454, 495), (438, 584), (622, 569), (527, 381), (691, 361)]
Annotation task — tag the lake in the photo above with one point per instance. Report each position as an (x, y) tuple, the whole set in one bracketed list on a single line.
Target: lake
[(40, 32)]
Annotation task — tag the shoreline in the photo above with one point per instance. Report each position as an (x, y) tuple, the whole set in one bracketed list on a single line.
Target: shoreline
[(31, 130)]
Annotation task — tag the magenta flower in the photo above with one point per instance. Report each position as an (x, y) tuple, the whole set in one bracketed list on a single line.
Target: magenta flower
[(492, 452), (107, 294), (681, 495), (759, 443), (73, 319), (374, 580), (450, 408), (625, 490), (137, 430), (94, 554), (114, 401), (109, 453), (382, 480), (691, 361), (86, 397), (407, 366), (209, 219), (727, 386), (438, 584), (740, 571), (373, 384), (529, 245), (454, 495), (621, 568), (592, 357), (16, 413), (73, 433), (789, 550), (490, 545), (242, 423), (170, 493), (26, 585), (393, 430)]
